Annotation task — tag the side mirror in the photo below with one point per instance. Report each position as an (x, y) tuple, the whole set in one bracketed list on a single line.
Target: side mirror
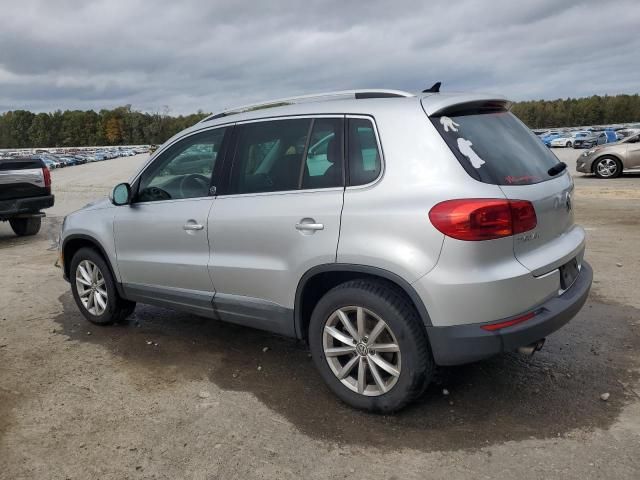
[(121, 194)]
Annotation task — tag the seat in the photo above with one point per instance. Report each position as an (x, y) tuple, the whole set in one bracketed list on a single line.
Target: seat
[(332, 176)]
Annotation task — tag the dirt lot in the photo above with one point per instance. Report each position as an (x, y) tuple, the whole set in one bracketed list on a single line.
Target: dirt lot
[(78, 401)]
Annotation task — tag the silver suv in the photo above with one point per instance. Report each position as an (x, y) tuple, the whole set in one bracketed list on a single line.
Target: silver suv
[(393, 232)]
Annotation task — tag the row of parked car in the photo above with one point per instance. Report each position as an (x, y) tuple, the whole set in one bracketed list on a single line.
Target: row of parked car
[(68, 158), (587, 138)]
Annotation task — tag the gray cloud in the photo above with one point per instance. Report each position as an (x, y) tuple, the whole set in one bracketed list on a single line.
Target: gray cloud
[(194, 55)]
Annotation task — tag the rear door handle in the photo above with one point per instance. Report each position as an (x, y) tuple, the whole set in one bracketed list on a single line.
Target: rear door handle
[(192, 226), (310, 226)]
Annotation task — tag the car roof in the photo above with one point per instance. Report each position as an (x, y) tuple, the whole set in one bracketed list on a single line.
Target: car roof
[(432, 103)]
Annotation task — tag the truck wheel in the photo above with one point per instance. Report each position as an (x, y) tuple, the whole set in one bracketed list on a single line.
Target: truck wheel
[(25, 226), (94, 289), (370, 346)]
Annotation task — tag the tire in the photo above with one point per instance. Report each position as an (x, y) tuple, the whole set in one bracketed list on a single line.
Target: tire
[(25, 226), (115, 308), (413, 362), (607, 167), (568, 145)]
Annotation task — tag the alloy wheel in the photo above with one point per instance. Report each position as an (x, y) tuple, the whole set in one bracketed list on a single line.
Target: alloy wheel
[(607, 167), (91, 287), (361, 350)]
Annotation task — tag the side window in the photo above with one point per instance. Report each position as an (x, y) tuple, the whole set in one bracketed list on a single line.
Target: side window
[(182, 171), (364, 157), (268, 156), (323, 165)]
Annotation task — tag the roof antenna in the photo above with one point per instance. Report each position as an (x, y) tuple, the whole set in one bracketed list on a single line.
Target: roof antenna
[(435, 88)]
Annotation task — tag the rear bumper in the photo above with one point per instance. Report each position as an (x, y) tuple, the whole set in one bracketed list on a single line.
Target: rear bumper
[(468, 343), (18, 206)]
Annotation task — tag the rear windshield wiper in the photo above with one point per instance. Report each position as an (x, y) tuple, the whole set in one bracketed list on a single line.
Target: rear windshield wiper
[(556, 169)]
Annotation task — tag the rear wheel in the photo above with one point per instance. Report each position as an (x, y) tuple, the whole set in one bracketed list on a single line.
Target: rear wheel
[(568, 145), (94, 289), (370, 346), (25, 226), (607, 167)]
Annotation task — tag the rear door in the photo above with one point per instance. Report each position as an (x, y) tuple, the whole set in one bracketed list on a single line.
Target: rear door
[(279, 218), (495, 147)]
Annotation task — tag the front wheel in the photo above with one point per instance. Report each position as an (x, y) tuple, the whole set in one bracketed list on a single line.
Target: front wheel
[(370, 346), (94, 289), (568, 145), (25, 226), (607, 167)]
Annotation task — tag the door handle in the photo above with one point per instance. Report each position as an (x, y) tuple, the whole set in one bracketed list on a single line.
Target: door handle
[(192, 226), (310, 226)]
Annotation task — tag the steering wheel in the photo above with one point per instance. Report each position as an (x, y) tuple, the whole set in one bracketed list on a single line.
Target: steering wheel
[(194, 183), (152, 194)]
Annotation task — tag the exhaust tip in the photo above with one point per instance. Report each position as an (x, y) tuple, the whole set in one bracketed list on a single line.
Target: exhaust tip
[(532, 348)]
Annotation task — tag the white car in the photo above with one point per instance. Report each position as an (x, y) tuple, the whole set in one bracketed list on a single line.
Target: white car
[(568, 140)]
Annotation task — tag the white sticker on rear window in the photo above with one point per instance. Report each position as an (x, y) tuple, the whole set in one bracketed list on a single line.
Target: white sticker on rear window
[(448, 124), (464, 146)]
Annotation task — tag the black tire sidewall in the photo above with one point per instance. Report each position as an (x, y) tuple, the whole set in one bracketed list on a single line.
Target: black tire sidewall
[(411, 365), (25, 226), (110, 315)]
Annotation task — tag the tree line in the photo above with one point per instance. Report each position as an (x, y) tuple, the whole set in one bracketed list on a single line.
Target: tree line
[(124, 126), (577, 112), (76, 128)]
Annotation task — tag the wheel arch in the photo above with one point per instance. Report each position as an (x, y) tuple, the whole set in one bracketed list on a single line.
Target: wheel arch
[(321, 278), (75, 242)]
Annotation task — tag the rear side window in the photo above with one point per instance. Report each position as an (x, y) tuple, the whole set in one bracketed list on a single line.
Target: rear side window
[(364, 156), (496, 148), (269, 156), (323, 165)]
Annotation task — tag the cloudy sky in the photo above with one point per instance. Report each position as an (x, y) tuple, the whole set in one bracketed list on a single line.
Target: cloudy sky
[(190, 55)]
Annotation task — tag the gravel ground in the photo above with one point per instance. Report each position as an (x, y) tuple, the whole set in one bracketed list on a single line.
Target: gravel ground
[(204, 400)]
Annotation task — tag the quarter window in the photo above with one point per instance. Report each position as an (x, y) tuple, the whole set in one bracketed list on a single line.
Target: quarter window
[(364, 157), (184, 170)]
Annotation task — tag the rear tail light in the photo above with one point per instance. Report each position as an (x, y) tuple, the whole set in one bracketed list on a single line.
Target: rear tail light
[(476, 219), (46, 173)]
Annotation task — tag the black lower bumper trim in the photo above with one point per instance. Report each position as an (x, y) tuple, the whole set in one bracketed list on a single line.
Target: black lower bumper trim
[(17, 206), (468, 343)]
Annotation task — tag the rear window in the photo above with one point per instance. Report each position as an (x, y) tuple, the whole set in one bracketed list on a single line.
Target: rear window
[(496, 148)]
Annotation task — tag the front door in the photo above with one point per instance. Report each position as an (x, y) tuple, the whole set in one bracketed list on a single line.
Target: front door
[(162, 242), (280, 217)]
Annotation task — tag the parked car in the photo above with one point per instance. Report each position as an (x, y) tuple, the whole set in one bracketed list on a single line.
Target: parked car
[(439, 230), (25, 192), (567, 140), (49, 163), (596, 138), (609, 161), (548, 138)]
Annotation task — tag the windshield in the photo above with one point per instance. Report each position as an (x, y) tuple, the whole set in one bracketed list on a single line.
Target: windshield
[(496, 148)]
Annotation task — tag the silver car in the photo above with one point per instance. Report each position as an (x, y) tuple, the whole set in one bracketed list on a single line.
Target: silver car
[(394, 232)]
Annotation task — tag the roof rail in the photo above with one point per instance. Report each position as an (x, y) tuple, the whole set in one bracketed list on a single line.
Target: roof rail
[(315, 97)]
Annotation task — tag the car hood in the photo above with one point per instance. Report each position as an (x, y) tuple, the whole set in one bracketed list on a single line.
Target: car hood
[(98, 204)]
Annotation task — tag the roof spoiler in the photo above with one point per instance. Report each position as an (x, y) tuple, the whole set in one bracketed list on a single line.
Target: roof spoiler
[(467, 107)]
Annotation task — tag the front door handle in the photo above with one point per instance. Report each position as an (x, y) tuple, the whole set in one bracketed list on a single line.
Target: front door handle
[(310, 226), (192, 226)]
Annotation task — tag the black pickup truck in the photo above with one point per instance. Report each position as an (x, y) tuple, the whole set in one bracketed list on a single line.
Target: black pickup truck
[(25, 189)]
